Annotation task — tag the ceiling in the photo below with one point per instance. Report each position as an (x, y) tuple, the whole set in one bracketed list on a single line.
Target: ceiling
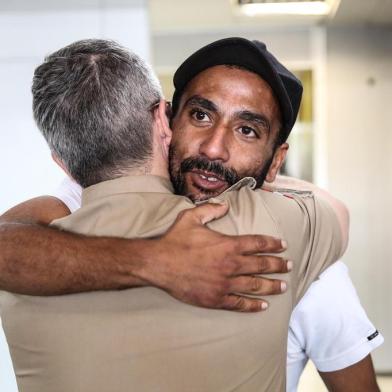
[(58, 5), (211, 15), (206, 15)]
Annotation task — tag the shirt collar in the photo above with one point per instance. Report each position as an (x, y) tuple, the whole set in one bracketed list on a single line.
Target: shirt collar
[(249, 182), (145, 184), (128, 184)]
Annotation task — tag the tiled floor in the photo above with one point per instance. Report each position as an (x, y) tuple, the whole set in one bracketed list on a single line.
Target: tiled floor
[(311, 381)]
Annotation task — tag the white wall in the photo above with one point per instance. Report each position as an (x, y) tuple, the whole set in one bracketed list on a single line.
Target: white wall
[(171, 49), (27, 34), (359, 84), (25, 38)]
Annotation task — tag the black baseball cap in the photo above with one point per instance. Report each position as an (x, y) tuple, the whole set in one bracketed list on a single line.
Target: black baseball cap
[(253, 56)]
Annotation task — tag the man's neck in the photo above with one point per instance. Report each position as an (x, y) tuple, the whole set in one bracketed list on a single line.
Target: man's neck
[(151, 168)]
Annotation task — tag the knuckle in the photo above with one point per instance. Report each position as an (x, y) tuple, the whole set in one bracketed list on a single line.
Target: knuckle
[(227, 303), (261, 243), (212, 300), (224, 287), (263, 264), (234, 245), (273, 287), (222, 265), (233, 302), (256, 284), (240, 303), (229, 267), (236, 268)]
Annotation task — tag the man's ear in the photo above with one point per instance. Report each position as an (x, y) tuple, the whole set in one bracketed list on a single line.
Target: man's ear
[(277, 162), (61, 164), (162, 120)]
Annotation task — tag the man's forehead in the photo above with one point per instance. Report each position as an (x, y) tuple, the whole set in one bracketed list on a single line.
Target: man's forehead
[(224, 73), (231, 83)]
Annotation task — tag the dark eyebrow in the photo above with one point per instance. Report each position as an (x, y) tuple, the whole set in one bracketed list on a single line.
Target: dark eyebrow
[(203, 102), (254, 117)]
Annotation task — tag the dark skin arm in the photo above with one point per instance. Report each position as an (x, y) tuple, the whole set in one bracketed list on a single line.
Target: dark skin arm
[(191, 262), (359, 377)]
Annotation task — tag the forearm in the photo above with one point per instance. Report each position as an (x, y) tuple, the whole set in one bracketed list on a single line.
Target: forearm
[(359, 377), (40, 260), (192, 263)]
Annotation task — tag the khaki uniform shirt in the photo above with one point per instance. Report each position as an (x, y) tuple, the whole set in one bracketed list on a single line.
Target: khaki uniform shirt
[(142, 339)]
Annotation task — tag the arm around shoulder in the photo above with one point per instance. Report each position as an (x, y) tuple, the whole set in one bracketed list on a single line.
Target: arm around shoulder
[(41, 260), (36, 259)]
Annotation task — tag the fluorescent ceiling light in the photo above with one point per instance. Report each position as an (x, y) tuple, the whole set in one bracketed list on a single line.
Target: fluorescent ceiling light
[(289, 8)]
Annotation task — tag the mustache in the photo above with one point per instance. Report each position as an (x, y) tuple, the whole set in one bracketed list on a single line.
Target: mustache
[(229, 175)]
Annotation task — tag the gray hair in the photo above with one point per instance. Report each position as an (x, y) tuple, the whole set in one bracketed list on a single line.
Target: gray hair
[(92, 102)]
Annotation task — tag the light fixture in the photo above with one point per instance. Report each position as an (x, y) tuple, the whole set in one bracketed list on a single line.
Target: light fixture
[(288, 7)]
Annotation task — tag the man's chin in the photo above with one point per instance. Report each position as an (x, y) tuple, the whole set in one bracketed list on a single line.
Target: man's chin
[(197, 194), (201, 187)]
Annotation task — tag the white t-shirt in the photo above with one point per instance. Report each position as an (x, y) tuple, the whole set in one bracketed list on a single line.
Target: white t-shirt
[(328, 326)]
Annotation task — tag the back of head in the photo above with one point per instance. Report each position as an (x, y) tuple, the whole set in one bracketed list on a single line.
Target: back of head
[(92, 102)]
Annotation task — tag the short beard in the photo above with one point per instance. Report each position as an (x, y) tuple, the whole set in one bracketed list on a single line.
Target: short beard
[(230, 175)]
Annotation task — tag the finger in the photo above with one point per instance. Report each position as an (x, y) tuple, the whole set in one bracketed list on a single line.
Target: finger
[(257, 285), (262, 265), (267, 187), (208, 212), (250, 244), (243, 304)]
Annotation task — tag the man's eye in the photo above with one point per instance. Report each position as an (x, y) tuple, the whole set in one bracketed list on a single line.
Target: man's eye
[(199, 115), (248, 132)]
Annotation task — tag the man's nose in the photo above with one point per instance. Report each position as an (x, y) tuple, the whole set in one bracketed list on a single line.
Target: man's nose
[(215, 145)]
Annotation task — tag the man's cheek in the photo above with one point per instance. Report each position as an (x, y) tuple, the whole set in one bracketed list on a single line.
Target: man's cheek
[(180, 149), (186, 142), (188, 181)]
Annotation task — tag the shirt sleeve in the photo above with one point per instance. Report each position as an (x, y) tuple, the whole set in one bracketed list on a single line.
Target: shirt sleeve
[(330, 324), (322, 241), (296, 360), (70, 193), (308, 224)]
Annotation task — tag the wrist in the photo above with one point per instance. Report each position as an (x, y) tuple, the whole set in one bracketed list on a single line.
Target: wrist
[(147, 264), (129, 261), (153, 266)]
